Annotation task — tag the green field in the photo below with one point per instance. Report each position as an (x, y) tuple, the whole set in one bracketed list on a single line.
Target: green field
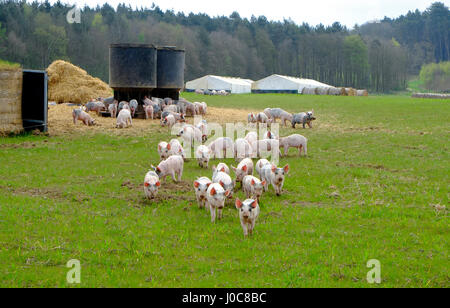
[(377, 168)]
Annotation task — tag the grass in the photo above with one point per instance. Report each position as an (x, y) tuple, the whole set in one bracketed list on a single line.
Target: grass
[(416, 85), (8, 65), (377, 166)]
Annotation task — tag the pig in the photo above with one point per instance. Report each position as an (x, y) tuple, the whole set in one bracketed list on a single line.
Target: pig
[(164, 150), (171, 108), (265, 146), (294, 141), (215, 196), (222, 167), (244, 168), (179, 117), (242, 149), (253, 187), (107, 101), (202, 108), (261, 163), (80, 115), (248, 213), (112, 108), (270, 135), (203, 127), (190, 108), (262, 118), (303, 118), (221, 146), (251, 118), (201, 186), (124, 119), (225, 181), (148, 109), (172, 166), (175, 148), (203, 156), (133, 106), (277, 113), (168, 121), (251, 137), (95, 106), (124, 105), (147, 101), (191, 134), (168, 101), (275, 176), (151, 185), (198, 91)]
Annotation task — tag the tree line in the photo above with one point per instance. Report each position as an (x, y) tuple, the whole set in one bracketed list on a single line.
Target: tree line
[(378, 56)]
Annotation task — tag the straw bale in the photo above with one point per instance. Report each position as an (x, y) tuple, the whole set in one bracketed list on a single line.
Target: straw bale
[(10, 100)]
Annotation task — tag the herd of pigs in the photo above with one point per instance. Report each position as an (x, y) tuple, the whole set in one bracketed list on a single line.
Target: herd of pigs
[(212, 194)]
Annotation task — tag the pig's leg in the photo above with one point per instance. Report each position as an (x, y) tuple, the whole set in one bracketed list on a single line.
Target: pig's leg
[(180, 175), (173, 176), (300, 150), (213, 213), (219, 213), (244, 227)]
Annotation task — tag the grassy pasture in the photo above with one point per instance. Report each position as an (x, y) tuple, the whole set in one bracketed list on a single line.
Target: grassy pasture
[(372, 187)]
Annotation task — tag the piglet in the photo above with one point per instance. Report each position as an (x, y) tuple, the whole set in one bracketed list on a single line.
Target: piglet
[(253, 187), (222, 167), (261, 163), (244, 168), (294, 141), (133, 106), (149, 112), (275, 176), (201, 186), (151, 185), (172, 166), (215, 196), (124, 119), (164, 150), (176, 148), (203, 155), (225, 181), (112, 108), (80, 115), (248, 213)]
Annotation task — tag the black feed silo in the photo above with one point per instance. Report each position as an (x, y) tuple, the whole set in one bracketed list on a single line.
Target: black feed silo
[(170, 69)]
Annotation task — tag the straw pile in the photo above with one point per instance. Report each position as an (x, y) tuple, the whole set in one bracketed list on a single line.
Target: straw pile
[(350, 92), (322, 91), (309, 91), (69, 83), (431, 95), (10, 100), (362, 93)]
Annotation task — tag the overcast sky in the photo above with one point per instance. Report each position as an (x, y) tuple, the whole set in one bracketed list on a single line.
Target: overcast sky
[(348, 12)]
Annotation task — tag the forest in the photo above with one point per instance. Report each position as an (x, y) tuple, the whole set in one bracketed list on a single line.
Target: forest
[(380, 56)]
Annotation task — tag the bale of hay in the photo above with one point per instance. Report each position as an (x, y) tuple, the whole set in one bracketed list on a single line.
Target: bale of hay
[(309, 91), (350, 92), (68, 83), (334, 91), (431, 95), (322, 91), (11, 79), (362, 93)]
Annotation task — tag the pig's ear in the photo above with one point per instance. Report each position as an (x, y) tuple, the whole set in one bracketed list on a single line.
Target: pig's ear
[(222, 184), (238, 203), (158, 184), (254, 204), (274, 168), (223, 169), (159, 169), (269, 134), (244, 168), (213, 191), (169, 146), (227, 193), (253, 182), (146, 184), (209, 184), (263, 182), (159, 147), (180, 151), (153, 167), (196, 184), (286, 168)]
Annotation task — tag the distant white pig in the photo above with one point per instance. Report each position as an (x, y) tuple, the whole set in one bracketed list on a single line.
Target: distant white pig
[(172, 166), (248, 213), (244, 168), (215, 197), (294, 141), (222, 167), (251, 137), (253, 187), (149, 113), (124, 119), (251, 118), (270, 135), (242, 149), (191, 134), (169, 121), (164, 150), (203, 127), (176, 148), (222, 145), (201, 187), (261, 163), (133, 106), (275, 176), (112, 108), (202, 154), (262, 118), (151, 185)]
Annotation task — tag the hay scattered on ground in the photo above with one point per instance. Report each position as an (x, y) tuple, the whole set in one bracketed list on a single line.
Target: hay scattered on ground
[(69, 83)]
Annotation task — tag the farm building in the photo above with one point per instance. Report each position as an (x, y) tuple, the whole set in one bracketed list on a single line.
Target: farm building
[(229, 84), (286, 84)]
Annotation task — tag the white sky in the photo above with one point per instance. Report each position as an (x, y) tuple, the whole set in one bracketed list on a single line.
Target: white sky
[(348, 12)]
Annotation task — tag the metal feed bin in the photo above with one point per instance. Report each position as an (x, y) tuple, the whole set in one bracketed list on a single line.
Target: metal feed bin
[(132, 70), (170, 69)]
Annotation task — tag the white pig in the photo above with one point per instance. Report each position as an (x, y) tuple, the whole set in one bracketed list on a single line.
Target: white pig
[(164, 150), (149, 113), (222, 167), (251, 137), (215, 196), (201, 187), (253, 187), (248, 213), (112, 108), (242, 149), (80, 115), (222, 145), (275, 176), (124, 119), (172, 166), (191, 134), (261, 163), (169, 121), (294, 141), (225, 181), (203, 155), (175, 148), (244, 168), (151, 185)]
